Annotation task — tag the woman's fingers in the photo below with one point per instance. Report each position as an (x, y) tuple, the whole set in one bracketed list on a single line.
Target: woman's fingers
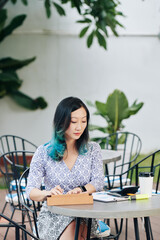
[(57, 190), (74, 191)]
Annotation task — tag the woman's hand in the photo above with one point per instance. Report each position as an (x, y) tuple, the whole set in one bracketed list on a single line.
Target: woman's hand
[(75, 191), (56, 190)]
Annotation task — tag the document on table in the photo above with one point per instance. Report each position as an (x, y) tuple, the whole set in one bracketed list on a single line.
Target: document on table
[(104, 197)]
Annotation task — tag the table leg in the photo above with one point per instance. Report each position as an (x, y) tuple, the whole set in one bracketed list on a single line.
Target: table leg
[(148, 228), (126, 232), (136, 229), (89, 228), (107, 174), (77, 228)]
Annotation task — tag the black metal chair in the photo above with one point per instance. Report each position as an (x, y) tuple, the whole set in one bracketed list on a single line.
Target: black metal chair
[(10, 143), (150, 163), (30, 207), (12, 165), (129, 145), (20, 230)]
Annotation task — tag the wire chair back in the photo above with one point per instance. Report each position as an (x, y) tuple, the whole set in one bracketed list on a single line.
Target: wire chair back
[(10, 143), (129, 146)]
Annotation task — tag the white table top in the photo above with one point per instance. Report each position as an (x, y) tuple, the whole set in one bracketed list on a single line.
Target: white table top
[(124, 209), (110, 156)]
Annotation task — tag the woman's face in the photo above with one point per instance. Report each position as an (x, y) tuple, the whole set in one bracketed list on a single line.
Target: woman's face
[(77, 125)]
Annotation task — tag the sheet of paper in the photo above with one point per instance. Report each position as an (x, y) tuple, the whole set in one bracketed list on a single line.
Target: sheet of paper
[(104, 197)]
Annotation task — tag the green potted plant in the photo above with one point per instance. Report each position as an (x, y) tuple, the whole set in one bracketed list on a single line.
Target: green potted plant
[(114, 111)]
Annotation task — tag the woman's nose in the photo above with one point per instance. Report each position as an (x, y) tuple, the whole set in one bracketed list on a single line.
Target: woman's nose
[(78, 126)]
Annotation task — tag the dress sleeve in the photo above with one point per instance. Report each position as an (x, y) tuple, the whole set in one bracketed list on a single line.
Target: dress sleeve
[(97, 172), (36, 172)]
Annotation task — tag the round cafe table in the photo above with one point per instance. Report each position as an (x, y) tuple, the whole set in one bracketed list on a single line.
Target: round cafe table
[(113, 210), (110, 156)]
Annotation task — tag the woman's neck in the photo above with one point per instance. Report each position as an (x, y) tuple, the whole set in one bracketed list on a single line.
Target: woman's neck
[(71, 144)]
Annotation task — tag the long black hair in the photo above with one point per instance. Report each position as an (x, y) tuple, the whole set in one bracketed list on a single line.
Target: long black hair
[(61, 122)]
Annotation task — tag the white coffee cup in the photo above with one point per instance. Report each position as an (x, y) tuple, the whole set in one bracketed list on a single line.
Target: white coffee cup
[(146, 182)]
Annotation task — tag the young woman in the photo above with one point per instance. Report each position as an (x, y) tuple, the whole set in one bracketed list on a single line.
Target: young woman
[(69, 164)]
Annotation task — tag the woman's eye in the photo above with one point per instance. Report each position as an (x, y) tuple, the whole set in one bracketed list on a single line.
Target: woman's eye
[(84, 122), (73, 122)]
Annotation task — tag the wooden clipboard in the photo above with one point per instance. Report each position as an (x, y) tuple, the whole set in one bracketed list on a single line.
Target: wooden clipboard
[(70, 199)]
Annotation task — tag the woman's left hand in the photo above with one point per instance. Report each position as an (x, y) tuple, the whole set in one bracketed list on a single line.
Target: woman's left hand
[(74, 191)]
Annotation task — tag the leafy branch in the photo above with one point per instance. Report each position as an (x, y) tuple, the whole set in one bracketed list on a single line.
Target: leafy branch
[(97, 16)]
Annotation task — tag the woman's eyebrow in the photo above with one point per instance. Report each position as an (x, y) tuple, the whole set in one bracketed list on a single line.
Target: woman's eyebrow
[(78, 117)]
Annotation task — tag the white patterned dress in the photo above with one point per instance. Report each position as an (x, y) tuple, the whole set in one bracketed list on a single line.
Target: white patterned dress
[(88, 168)]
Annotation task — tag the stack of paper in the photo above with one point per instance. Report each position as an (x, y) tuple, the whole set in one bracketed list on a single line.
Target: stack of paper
[(105, 197)]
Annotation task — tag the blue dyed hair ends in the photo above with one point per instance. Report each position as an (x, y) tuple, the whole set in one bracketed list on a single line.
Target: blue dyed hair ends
[(61, 122)]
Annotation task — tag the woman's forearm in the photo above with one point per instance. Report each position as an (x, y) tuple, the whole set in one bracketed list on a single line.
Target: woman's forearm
[(38, 195), (90, 188)]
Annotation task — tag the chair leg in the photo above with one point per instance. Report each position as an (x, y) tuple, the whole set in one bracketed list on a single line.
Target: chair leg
[(77, 228), (136, 229), (148, 229), (126, 232), (5, 237), (89, 228), (30, 221), (5, 205)]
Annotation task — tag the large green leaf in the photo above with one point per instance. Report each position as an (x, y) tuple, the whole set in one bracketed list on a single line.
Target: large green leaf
[(3, 18), (95, 127), (101, 107), (28, 102), (59, 9), (117, 104), (101, 39), (9, 81), (16, 22), (47, 6), (83, 31), (13, 1), (90, 39), (10, 64), (135, 107), (3, 91), (24, 2)]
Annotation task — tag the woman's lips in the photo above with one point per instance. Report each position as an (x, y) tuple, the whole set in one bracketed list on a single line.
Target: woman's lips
[(77, 134)]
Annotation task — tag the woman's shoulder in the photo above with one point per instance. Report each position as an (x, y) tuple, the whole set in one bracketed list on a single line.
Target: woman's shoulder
[(93, 146), (42, 149)]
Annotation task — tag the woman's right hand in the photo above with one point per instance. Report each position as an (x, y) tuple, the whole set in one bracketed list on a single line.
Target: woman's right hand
[(55, 191), (39, 195)]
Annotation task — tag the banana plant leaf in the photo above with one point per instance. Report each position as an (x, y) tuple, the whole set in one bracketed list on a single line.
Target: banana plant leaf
[(134, 108), (28, 102), (95, 127), (15, 23), (11, 64), (100, 140), (117, 108), (114, 111)]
